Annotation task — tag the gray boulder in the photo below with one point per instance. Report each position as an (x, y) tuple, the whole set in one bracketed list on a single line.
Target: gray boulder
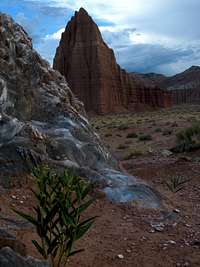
[(9, 258)]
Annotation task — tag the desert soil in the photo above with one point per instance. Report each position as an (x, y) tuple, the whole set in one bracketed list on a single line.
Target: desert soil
[(126, 235)]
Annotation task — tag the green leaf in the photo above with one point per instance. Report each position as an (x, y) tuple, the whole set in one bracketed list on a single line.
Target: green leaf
[(88, 220), (84, 206), (81, 230), (40, 249), (27, 217), (86, 191), (51, 214), (75, 252), (53, 245)]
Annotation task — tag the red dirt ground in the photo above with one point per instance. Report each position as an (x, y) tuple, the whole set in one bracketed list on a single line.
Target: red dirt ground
[(125, 235)]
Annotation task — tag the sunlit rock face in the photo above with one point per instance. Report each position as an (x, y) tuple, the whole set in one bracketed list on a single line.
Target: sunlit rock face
[(90, 67), (41, 121)]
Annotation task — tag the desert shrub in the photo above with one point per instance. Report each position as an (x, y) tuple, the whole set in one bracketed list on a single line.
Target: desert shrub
[(123, 127), (188, 139), (174, 124), (132, 135), (158, 130), (128, 142), (108, 135), (176, 183), (167, 132), (121, 147), (133, 153), (145, 137), (61, 201)]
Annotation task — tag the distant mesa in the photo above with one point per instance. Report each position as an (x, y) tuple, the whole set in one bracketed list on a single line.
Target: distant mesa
[(90, 68)]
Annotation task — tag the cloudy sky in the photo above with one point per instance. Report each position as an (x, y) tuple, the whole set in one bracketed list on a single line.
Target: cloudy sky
[(160, 36)]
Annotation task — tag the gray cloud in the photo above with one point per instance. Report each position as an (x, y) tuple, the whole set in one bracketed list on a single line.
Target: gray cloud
[(48, 8), (171, 26), (119, 38), (151, 58), (54, 11)]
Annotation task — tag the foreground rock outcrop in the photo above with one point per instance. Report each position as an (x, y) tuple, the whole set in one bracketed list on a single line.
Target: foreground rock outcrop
[(43, 122), (90, 67)]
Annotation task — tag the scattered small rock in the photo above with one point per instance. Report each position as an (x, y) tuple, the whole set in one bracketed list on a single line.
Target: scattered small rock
[(159, 227), (166, 153), (196, 243), (177, 210), (120, 256), (171, 242)]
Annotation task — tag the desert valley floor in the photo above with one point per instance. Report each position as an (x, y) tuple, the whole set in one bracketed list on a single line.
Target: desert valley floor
[(125, 235)]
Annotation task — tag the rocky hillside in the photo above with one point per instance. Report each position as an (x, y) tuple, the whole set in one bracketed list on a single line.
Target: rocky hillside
[(90, 67), (184, 87), (150, 79), (189, 79)]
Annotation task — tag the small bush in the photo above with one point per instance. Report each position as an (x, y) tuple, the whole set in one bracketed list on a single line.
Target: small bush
[(167, 132), (128, 142), (158, 130), (145, 137), (176, 183), (108, 135), (61, 200), (188, 139), (132, 135), (121, 147), (133, 153), (122, 127)]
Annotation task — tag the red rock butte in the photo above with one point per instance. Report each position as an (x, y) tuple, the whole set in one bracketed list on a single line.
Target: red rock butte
[(90, 68)]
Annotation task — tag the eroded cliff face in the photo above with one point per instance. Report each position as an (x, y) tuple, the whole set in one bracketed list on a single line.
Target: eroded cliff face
[(184, 87), (90, 67)]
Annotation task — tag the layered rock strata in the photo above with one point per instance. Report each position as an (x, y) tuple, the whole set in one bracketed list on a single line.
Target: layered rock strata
[(184, 87), (90, 67)]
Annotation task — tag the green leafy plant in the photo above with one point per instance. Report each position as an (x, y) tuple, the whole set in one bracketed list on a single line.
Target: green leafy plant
[(61, 200), (176, 183)]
